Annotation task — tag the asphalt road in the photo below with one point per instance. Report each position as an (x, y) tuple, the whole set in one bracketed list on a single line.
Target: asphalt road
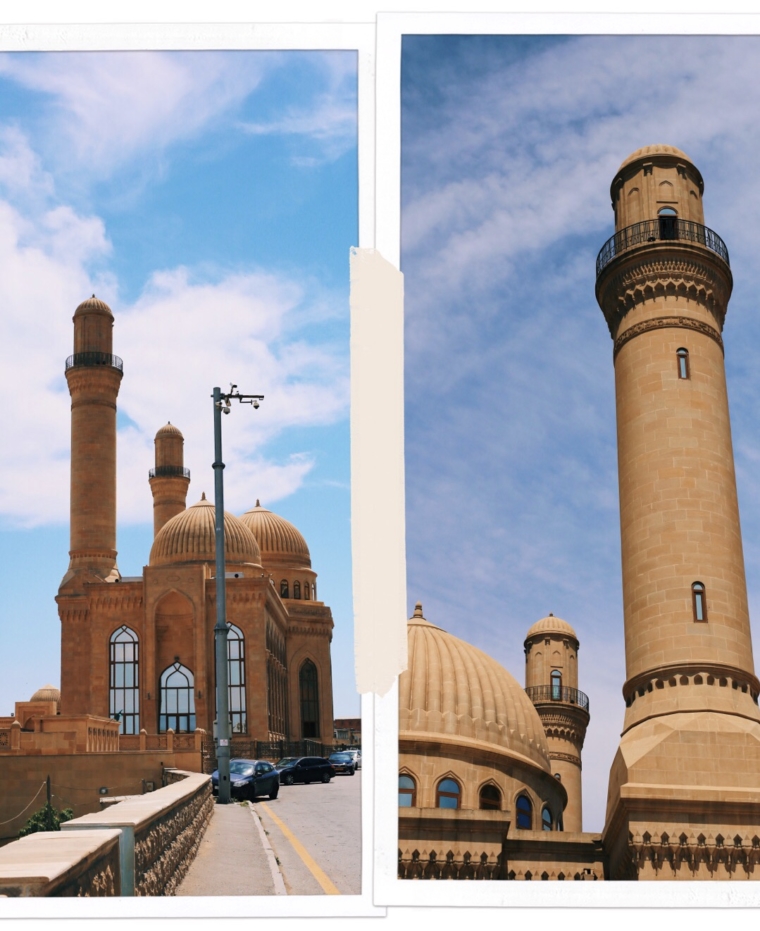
[(315, 832)]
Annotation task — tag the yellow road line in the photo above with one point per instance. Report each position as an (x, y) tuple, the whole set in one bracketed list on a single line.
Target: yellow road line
[(321, 877)]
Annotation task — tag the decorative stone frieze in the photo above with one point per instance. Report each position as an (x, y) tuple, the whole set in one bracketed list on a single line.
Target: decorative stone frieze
[(658, 323)]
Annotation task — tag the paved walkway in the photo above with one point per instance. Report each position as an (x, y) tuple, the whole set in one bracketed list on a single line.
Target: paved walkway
[(231, 859)]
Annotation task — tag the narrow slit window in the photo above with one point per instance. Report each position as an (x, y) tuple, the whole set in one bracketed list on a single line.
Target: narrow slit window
[(699, 601), (683, 363), (546, 819)]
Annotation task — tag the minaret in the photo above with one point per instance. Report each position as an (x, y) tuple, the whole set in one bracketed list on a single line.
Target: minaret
[(690, 731), (169, 479), (93, 375), (551, 683)]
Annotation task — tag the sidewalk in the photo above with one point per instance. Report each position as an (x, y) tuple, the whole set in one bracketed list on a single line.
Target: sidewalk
[(231, 859)]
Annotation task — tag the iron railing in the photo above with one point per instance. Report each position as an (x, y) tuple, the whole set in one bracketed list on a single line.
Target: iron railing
[(168, 470), (541, 693), (94, 358), (659, 230)]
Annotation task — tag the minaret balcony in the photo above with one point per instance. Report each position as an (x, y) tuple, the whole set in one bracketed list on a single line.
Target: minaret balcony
[(539, 694), (662, 229), (94, 358), (169, 471)]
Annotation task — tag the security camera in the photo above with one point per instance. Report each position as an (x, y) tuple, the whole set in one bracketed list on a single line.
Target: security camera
[(226, 410), (255, 403)]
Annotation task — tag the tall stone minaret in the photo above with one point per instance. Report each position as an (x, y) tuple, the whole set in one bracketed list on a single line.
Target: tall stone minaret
[(93, 374), (691, 723), (551, 683), (169, 479)]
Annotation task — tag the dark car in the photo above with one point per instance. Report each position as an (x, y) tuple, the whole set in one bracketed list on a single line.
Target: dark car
[(304, 769), (343, 763), (250, 778)]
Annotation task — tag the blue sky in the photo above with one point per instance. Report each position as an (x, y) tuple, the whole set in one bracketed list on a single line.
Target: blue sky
[(211, 199), (509, 145)]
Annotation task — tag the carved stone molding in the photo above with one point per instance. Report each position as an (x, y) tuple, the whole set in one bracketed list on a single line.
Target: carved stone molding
[(567, 757), (659, 323), (638, 281), (705, 856)]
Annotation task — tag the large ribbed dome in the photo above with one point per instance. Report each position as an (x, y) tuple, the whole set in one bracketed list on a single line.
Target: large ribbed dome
[(169, 430), (93, 305), (452, 689), (648, 151), (552, 625), (281, 543), (190, 537), (46, 693)]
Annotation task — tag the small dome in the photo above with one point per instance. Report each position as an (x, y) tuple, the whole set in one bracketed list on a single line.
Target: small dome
[(169, 430), (93, 305), (47, 693), (551, 625), (281, 543), (452, 689), (650, 150), (189, 537)]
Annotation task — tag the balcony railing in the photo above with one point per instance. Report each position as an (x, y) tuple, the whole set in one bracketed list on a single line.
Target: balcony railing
[(541, 693), (94, 358), (659, 230), (169, 470)]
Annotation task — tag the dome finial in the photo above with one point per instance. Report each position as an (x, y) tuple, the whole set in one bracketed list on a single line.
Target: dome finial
[(258, 503), (203, 496), (551, 614), (418, 609)]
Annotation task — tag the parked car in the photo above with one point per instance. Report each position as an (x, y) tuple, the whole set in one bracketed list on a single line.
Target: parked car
[(356, 754), (343, 762), (304, 769), (249, 779)]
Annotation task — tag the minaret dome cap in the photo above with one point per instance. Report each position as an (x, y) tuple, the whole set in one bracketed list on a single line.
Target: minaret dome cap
[(93, 305), (551, 625)]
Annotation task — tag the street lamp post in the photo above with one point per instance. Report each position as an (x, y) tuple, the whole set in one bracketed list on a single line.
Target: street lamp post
[(222, 403)]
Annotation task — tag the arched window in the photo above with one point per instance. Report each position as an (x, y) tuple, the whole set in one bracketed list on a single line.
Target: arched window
[(306, 591), (309, 687), (447, 794), (699, 602), (177, 700), (556, 678), (668, 223), (407, 791), (524, 810), (546, 819), (314, 590), (490, 798), (236, 679), (284, 589), (296, 589), (124, 688), (682, 356)]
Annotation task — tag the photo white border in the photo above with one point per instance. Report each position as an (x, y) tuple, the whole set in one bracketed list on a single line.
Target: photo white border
[(389, 890), (287, 36)]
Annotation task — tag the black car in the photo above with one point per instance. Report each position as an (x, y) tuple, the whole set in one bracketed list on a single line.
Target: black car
[(250, 778), (304, 769), (343, 763)]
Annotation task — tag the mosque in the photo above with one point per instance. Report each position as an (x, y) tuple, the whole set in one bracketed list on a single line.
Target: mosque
[(489, 772), (141, 649)]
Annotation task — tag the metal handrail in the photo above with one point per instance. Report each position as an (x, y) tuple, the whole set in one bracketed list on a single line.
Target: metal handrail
[(168, 470), (94, 358), (660, 230), (540, 693)]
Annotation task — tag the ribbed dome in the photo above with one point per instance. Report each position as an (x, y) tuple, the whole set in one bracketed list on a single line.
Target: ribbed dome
[(169, 430), (553, 625), (650, 150), (93, 305), (189, 537), (451, 688), (280, 542), (46, 693)]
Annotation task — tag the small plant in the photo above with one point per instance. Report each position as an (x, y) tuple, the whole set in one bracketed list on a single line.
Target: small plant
[(46, 819)]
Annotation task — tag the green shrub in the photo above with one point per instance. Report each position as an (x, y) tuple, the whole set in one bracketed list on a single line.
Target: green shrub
[(46, 819)]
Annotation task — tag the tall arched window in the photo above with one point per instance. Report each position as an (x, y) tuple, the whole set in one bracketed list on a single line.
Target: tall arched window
[(177, 700), (407, 791), (524, 810), (124, 687), (668, 223), (682, 355), (306, 591), (546, 818), (556, 678), (236, 679), (448, 794), (490, 798), (308, 683), (296, 589), (284, 589), (699, 602)]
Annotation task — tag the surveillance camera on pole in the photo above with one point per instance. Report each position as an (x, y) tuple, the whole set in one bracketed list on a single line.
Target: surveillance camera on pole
[(222, 403)]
